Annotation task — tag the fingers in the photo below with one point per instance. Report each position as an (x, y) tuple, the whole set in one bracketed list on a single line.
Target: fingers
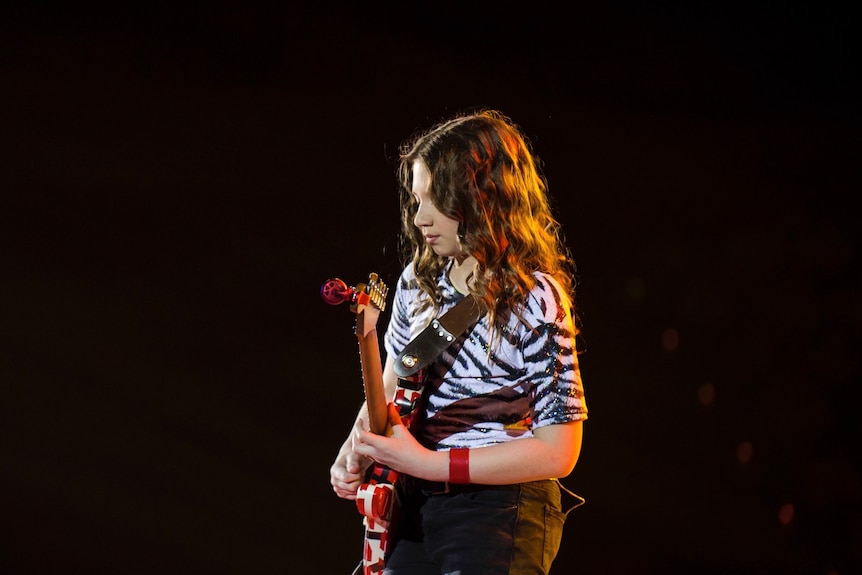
[(356, 464), (341, 484), (346, 479), (356, 436), (346, 491), (347, 473)]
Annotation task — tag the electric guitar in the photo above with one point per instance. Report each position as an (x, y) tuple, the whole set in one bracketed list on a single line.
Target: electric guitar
[(377, 498)]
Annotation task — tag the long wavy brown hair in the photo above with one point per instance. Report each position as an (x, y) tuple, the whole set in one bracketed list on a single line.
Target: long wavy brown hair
[(485, 175)]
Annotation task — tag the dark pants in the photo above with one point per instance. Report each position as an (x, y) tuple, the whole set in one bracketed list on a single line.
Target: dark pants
[(487, 530)]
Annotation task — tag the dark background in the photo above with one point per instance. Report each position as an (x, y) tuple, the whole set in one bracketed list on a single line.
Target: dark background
[(178, 182)]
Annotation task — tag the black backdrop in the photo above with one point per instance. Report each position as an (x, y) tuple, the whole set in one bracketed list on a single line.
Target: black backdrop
[(179, 181)]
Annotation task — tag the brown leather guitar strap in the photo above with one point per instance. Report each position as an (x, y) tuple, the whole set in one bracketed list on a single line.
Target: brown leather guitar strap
[(442, 332)]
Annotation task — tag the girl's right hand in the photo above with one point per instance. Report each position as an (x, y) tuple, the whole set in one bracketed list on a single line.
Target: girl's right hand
[(348, 471)]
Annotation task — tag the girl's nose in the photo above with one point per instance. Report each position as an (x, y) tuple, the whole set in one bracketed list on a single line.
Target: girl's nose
[(422, 217)]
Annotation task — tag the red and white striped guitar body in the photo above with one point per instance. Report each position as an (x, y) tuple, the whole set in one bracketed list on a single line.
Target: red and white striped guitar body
[(377, 499)]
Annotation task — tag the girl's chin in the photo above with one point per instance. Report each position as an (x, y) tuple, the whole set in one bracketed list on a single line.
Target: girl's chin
[(442, 253)]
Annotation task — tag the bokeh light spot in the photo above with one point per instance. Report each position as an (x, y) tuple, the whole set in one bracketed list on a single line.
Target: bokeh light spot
[(785, 514), (744, 452), (706, 394), (670, 339)]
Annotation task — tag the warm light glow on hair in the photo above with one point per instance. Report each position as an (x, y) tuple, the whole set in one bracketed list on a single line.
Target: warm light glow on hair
[(484, 174)]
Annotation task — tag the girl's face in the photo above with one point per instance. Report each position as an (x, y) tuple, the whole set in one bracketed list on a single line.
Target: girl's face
[(440, 231)]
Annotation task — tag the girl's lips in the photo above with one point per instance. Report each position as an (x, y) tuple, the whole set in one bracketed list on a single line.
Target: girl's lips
[(431, 238)]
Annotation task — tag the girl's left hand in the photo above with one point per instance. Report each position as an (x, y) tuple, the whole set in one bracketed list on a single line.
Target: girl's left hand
[(399, 450)]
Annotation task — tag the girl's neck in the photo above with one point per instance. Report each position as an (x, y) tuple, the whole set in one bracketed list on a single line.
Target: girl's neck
[(460, 274)]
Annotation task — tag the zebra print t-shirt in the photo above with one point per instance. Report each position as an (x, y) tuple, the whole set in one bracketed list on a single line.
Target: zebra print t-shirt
[(480, 395)]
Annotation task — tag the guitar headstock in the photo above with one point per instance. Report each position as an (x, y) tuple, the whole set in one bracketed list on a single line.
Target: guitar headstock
[(375, 291), (367, 300)]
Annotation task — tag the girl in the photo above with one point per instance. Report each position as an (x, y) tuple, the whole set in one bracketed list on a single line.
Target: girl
[(504, 405)]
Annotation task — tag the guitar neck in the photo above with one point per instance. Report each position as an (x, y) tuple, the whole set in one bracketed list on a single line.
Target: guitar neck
[(366, 301), (372, 378)]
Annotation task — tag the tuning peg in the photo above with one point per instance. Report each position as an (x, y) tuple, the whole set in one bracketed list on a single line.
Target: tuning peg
[(335, 291)]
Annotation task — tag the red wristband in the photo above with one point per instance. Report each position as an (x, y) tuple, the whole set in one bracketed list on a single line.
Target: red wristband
[(459, 465)]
